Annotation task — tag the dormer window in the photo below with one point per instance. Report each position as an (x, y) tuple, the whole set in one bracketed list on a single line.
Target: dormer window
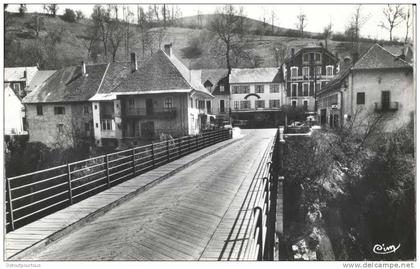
[(222, 88), (294, 71), (306, 58)]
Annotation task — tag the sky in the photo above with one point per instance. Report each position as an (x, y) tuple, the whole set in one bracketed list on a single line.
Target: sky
[(318, 15)]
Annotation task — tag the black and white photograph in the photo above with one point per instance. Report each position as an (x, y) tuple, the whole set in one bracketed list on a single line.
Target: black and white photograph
[(200, 133)]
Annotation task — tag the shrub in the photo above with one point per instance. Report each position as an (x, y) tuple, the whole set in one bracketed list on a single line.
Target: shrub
[(69, 15)]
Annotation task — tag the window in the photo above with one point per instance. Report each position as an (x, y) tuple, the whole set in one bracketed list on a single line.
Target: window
[(317, 86), (294, 89), (86, 109), (16, 88), (306, 58), (96, 107), (168, 102), (236, 105), (274, 88), (311, 89), (360, 98), (245, 104), (59, 110), (39, 111), (294, 103), (386, 99), (274, 103), (294, 71), (259, 104), (319, 71), (222, 106), (244, 89), (235, 89), (318, 58), (305, 89), (60, 128), (259, 88), (107, 124), (330, 69), (196, 103), (305, 71), (192, 103), (222, 88), (305, 104), (131, 103), (201, 104)]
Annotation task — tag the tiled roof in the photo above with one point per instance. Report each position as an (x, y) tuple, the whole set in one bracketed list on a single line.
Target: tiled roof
[(253, 75), (213, 75), (225, 82), (17, 73), (377, 58), (335, 82), (69, 85), (114, 76), (160, 73), (38, 79)]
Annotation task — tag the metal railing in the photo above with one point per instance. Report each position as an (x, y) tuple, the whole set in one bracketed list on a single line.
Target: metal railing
[(34, 195), (261, 233), (386, 107)]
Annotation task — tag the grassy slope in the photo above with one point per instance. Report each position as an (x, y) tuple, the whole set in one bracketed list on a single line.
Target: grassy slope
[(72, 50)]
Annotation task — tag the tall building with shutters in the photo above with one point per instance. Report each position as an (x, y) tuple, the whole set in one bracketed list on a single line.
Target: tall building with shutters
[(305, 72)]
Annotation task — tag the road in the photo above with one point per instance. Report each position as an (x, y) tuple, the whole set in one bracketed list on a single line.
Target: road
[(174, 220)]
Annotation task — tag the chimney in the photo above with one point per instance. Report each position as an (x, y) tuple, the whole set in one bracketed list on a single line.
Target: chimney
[(133, 62), (83, 67), (293, 51), (168, 49)]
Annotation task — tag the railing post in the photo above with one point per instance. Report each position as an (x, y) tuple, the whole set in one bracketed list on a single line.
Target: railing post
[(189, 144), (134, 161), (107, 171), (153, 156), (167, 150), (179, 148), (69, 183), (9, 196)]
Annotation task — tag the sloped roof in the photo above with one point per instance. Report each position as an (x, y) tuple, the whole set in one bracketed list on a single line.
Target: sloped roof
[(253, 75), (213, 75), (308, 47), (114, 76), (38, 79), (160, 73), (378, 58), (17, 73), (335, 82), (225, 82), (68, 85)]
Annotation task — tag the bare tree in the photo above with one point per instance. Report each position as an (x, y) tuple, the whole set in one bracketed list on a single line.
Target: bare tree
[(116, 36), (327, 33), (279, 53), (52, 9), (302, 22), (273, 18), (394, 15), (79, 15), (407, 24), (101, 19), (227, 25), (353, 30), (199, 19)]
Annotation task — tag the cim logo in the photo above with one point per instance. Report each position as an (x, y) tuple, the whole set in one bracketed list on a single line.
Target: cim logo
[(382, 249)]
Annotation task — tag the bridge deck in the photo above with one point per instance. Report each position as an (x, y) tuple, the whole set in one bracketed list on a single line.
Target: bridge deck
[(199, 213)]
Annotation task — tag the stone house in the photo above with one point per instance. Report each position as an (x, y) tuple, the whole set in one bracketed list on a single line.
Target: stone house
[(379, 83), (256, 96), (58, 110), (159, 97), (305, 72)]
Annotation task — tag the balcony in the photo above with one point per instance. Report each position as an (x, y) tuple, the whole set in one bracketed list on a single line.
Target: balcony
[(386, 107), (155, 113)]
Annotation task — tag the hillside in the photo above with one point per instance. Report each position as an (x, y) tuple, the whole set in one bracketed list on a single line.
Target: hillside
[(21, 43)]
